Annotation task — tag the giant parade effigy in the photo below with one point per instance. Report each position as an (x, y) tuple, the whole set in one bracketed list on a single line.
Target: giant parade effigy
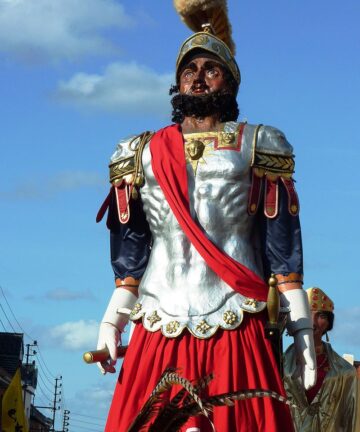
[(201, 214)]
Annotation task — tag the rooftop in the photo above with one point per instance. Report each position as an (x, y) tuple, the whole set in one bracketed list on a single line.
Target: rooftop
[(11, 351)]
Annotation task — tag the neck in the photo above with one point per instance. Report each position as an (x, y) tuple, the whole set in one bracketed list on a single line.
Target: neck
[(319, 346), (200, 124)]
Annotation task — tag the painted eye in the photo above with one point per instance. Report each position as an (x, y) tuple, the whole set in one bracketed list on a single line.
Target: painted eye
[(212, 73), (188, 74)]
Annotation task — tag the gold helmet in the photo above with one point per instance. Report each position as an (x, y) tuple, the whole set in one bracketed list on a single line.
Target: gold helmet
[(319, 301), (209, 19)]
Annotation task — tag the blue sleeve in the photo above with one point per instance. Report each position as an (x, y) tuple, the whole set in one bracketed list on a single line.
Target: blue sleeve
[(281, 240), (130, 243)]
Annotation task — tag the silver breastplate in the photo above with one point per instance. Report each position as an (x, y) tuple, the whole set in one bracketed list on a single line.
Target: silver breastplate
[(178, 289)]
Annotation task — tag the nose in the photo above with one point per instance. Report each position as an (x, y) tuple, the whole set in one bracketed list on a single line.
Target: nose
[(199, 76)]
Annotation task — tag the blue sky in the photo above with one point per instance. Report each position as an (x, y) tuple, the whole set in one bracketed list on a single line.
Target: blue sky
[(78, 76)]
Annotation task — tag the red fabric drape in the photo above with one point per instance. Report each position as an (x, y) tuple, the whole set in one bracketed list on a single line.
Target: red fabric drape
[(239, 359), (169, 167)]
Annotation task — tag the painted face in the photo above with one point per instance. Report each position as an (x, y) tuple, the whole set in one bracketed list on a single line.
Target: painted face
[(201, 76), (320, 323)]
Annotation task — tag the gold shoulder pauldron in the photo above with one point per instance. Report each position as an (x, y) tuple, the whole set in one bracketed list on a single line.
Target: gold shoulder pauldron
[(129, 167), (273, 163)]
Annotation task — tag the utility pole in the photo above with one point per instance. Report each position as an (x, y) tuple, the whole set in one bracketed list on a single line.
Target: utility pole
[(28, 346), (25, 386), (54, 406), (56, 401), (65, 421)]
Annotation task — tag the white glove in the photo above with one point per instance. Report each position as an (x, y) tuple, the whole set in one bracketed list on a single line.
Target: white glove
[(113, 323), (299, 325)]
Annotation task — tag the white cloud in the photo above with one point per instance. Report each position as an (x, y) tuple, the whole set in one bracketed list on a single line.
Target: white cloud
[(48, 187), (94, 399), (68, 180), (37, 29), (64, 294), (126, 88), (75, 335)]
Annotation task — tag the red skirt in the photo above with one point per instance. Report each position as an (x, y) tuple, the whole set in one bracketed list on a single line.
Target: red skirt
[(239, 359)]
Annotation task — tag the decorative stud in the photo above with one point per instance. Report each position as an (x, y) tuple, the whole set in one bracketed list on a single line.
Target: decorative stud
[(251, 302), (153, 318), (172, 327), (230, 317), (136, 309), (203, 327)]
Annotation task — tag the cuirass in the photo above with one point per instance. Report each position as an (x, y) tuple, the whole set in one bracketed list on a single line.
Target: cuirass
[(178, 289)]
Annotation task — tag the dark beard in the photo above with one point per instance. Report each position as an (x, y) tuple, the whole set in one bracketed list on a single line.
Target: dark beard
[(219, 103)]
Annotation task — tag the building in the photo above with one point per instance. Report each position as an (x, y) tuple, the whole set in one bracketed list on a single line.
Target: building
[(11, 358)]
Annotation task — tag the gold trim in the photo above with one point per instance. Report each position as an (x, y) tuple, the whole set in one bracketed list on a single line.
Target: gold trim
[(194, 330), (254, 143), (274, 163), (198, 145), (131, 165), (196, 149), (119, 169)]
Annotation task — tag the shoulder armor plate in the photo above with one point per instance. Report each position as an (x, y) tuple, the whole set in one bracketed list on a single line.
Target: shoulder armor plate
[(272, 152), (126, 161)]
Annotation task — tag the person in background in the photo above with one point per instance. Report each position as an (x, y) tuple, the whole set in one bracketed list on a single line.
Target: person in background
[(330, 405)]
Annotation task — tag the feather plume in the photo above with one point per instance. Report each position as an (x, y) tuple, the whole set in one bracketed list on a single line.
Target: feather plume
[(155, 404), (171, 409), (160, 415), (195, 13), (181, 416)]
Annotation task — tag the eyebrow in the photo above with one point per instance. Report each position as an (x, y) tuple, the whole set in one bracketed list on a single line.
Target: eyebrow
[(207, 65)]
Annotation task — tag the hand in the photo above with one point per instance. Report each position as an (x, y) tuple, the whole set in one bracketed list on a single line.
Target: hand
[(109, 336), (299, 325), (113, 323), (305, 357)]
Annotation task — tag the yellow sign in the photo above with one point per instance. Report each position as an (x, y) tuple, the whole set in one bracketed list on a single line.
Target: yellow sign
[(13, 412)]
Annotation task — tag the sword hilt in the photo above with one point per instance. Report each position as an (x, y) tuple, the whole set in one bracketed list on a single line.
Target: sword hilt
[(103, 354)]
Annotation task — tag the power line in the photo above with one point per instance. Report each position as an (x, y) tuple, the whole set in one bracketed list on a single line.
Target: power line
[(12, 313), (83, 415), (42, 358), (49, 380), (44, 392), (87, 428), (39, 400), (8, 319), (23, 331), (90, 423), (43, 382), (21, 328), (2, 325)]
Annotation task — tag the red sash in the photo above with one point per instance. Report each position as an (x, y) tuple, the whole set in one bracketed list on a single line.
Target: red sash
[(169, 167)]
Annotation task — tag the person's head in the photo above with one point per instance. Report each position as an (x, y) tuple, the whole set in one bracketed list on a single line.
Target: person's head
[(322, 323), (321, 307), (208, 44), (207, 80), (203, 73)]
